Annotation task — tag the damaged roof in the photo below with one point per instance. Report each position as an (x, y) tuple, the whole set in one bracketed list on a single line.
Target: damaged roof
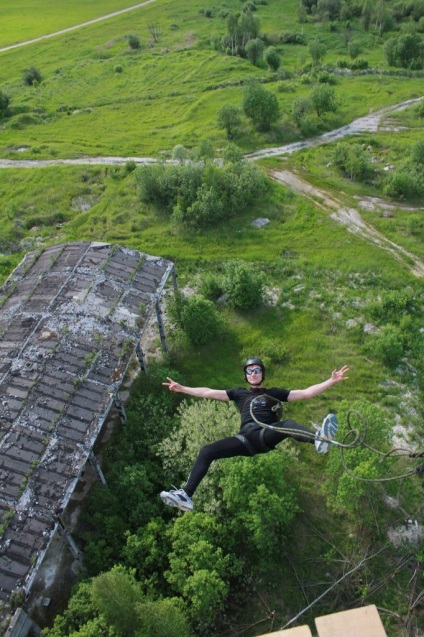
[(71, 318)]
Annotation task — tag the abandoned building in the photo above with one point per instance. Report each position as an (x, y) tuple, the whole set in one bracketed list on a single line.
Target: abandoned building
[(71, 320)]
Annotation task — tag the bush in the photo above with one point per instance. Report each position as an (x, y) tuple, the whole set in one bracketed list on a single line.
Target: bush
[(200, 320), (271, 58), (388, 345), (292, 38), (254, 50), (4, 104), (210, 286), (244, 285), (32, 76), (118, 68), (359, 65), (134, 42)]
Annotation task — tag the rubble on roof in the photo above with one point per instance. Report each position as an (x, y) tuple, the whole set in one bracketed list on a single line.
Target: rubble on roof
[(71, 318)]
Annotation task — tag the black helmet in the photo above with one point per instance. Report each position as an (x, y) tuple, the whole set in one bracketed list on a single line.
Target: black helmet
[(254, 361)]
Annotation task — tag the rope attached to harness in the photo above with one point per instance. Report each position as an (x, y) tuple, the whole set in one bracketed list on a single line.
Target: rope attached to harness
[(352, 439)]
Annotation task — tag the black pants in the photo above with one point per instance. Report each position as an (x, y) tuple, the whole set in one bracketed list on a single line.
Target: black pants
[(233, 446)]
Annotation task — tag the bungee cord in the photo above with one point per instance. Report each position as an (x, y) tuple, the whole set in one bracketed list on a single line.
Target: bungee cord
[(351, 440)]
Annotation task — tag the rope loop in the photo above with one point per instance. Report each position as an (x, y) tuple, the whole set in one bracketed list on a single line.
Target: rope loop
[(353, 438)]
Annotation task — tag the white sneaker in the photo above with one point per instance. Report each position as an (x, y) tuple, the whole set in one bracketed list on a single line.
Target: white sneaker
[(327, 430), (177, 498)]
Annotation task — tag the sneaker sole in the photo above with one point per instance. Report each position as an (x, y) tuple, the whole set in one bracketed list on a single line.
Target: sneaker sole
[(174, 503), (329, 430)]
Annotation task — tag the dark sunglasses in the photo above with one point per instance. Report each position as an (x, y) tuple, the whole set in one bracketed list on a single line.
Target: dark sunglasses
[(257, 370)]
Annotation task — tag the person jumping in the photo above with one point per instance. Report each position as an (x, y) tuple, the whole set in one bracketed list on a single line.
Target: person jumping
[(252, 438)]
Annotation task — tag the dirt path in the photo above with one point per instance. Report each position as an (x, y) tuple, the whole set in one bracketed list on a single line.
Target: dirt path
[(349, 217), (76, 26)]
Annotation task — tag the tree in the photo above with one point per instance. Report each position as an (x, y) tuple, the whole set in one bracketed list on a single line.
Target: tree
[(366, 15), (155, 31), (264, 517), (4, 104), (302, 14), (200, 567), (247, 28), (229, 119), (261, 106), (356, 498), (300, 108), (180, 153), (271, 58), (352, 159), (410, 50), (254, 50), (317, 51), (323, 99)]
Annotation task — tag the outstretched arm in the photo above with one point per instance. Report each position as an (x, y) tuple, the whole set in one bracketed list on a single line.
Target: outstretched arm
[(314, 390), (198, 392)]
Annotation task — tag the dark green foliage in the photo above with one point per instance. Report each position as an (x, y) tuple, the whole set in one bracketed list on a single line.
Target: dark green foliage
[(323, 99), (357, 499), (393, 306), (4, 104), (200, 320), (113, 605), (201, 567), (406, 50), (354, 49), (388, 345), (211, 286), (134, 42), (301, 106), (32, 76), (229, 119), (254, 50), (201, 194), (359, 64), (272, 59), (260, 521), (243, 284), (317, 51), (260, 105), (353, 160)]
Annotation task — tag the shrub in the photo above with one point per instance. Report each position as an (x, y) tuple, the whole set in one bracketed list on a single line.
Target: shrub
[(32, 76), (134, 42), (244, 285), (359, 65), (4, 104), (271, 58), (254, 50), (229, 119), (388, 345), (118, 68), (210, 286), (200, 320), (290, 37), (404, 182)]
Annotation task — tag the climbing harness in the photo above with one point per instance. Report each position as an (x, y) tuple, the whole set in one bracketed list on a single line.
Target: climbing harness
[(354, 438)]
